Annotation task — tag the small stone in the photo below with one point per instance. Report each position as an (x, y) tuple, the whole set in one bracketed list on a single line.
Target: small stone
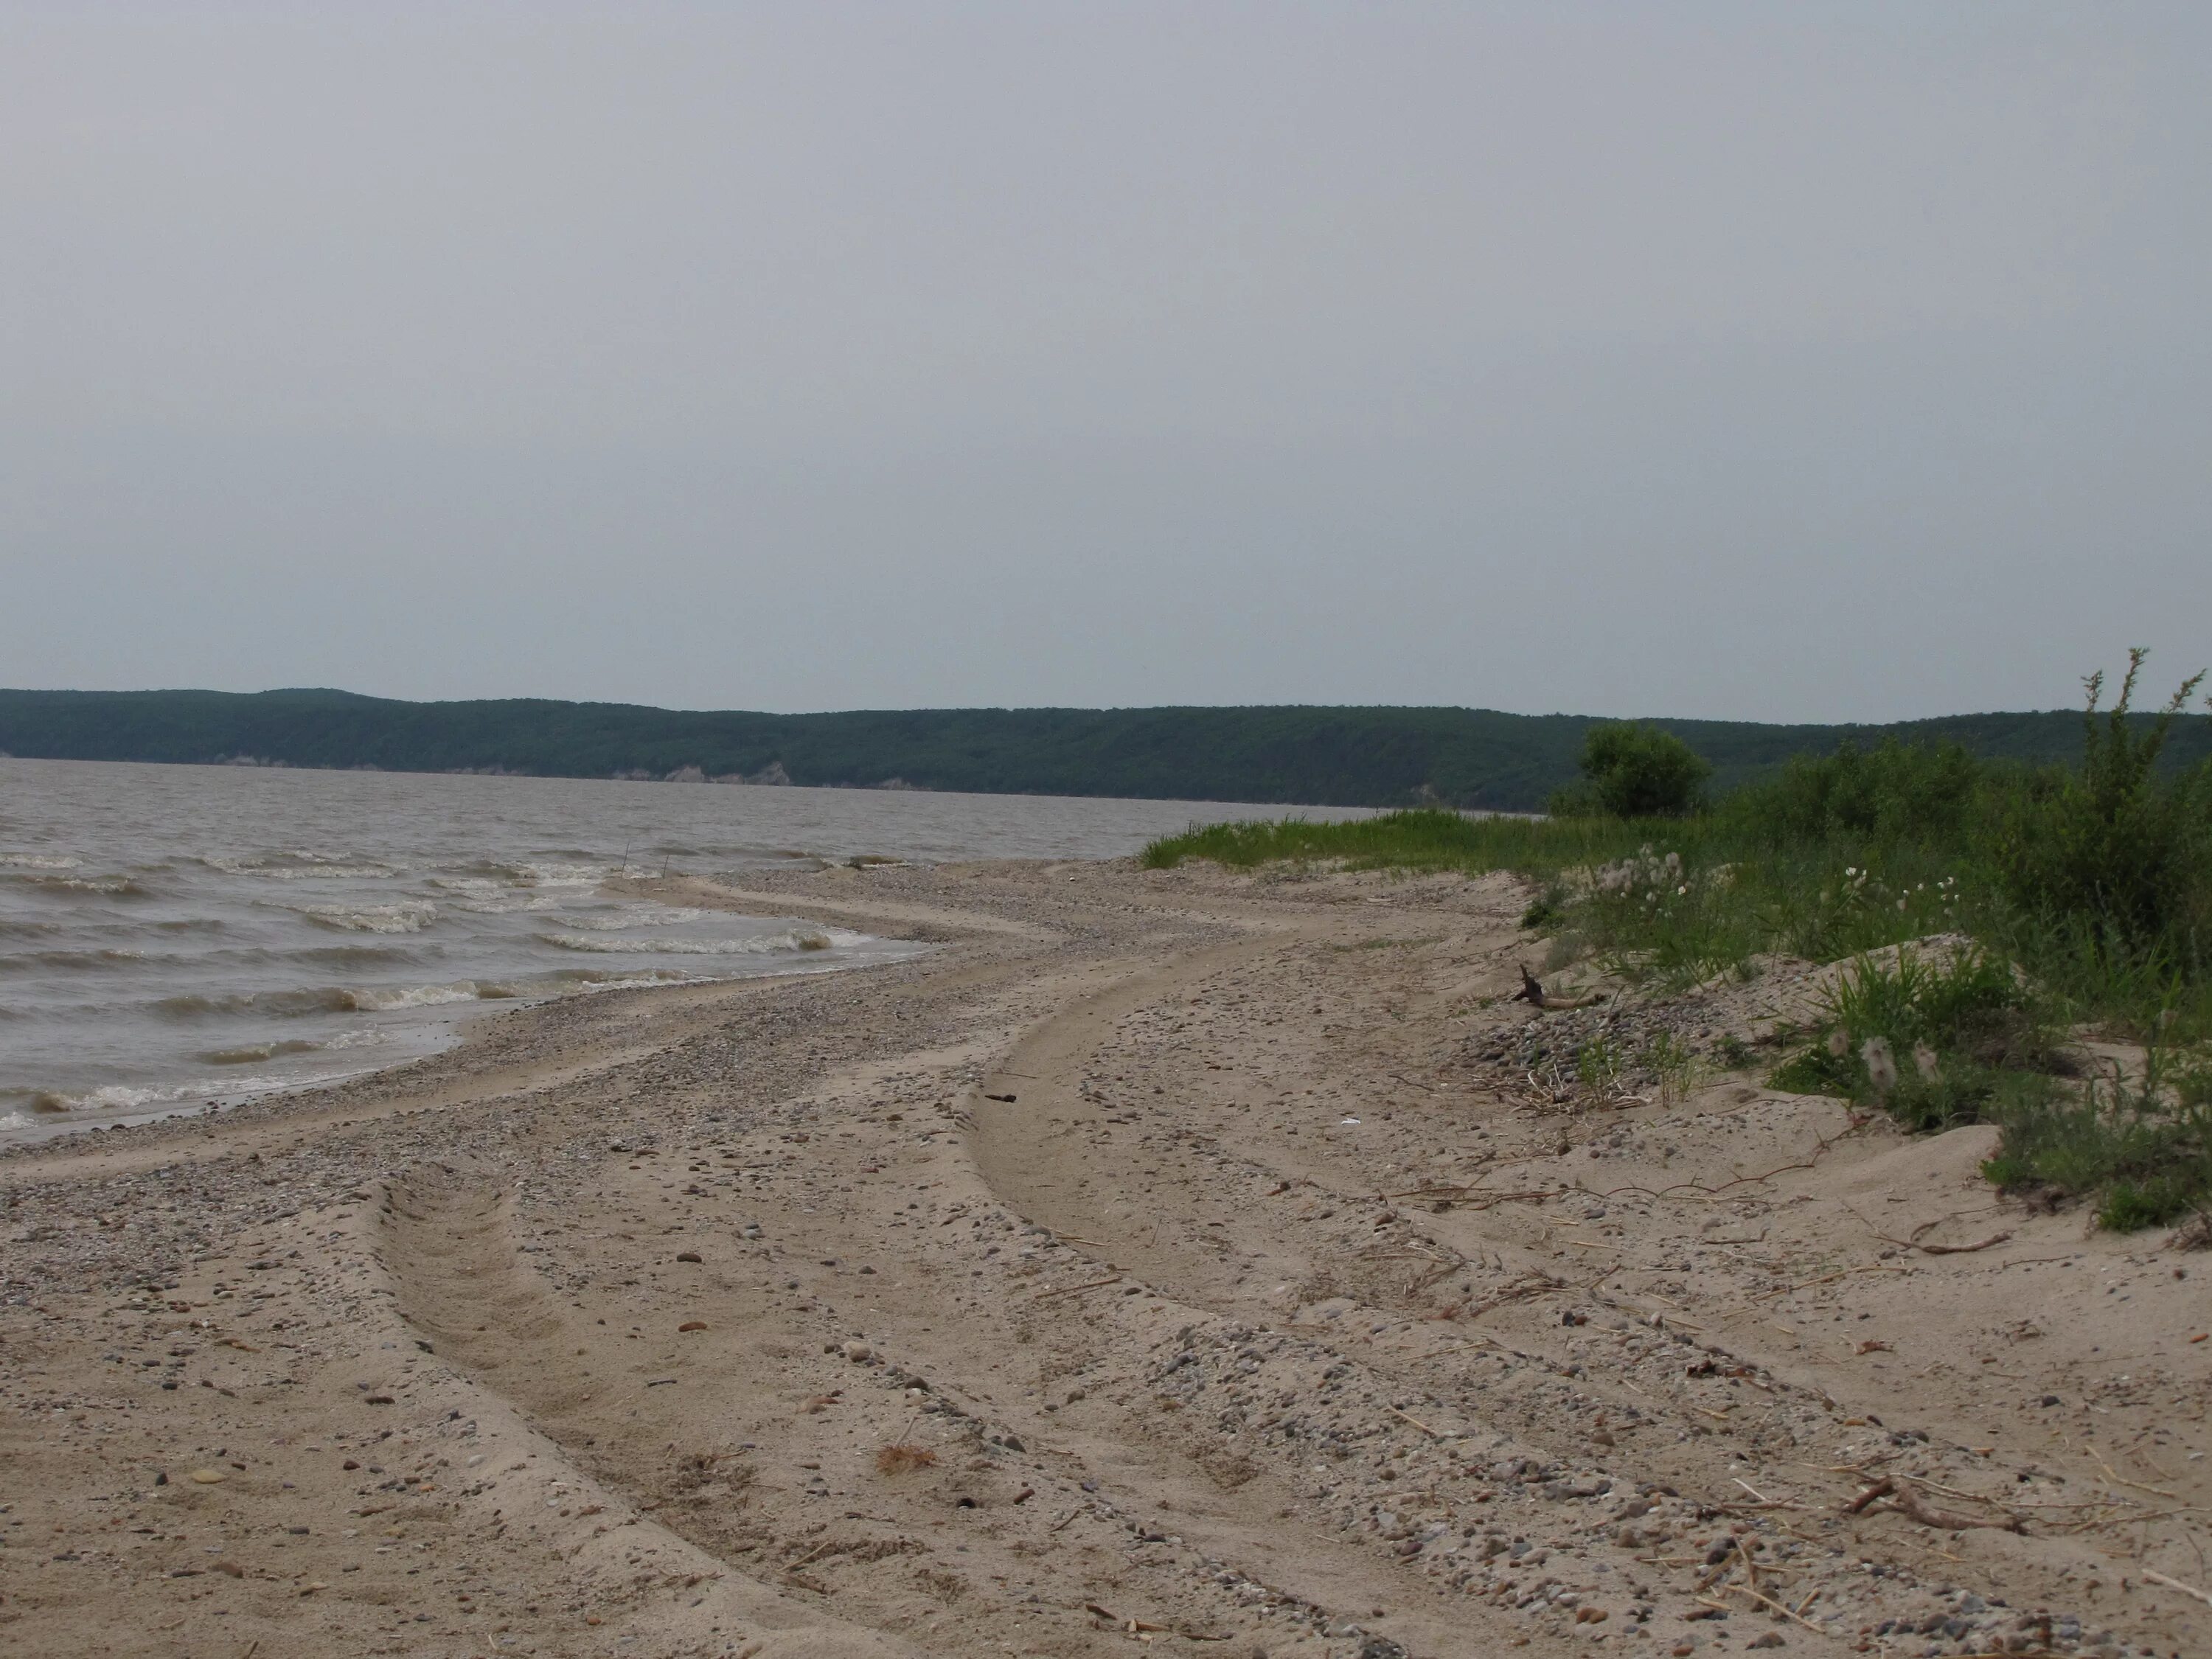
[(693, 1325), (687, 1255), (208, 1477)]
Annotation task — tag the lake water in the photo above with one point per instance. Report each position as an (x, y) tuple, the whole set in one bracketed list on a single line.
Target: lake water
[(175, 937)]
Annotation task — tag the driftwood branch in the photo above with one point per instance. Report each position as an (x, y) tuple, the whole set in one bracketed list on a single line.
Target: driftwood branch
[(1532, 992)]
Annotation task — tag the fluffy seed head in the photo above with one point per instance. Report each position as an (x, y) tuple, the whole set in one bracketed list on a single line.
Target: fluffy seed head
[(1880, 1064)]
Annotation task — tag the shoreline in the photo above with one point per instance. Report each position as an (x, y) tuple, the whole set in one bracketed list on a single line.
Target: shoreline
[(452, 1032), (1176, 1224)]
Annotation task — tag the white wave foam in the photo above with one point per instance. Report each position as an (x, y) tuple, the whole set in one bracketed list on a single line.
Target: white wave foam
[(300, 866), (249, 1054), (617, 981), (40, 861), (123, 1097), (636, 915), (811, 938), (327, 873), (408, 916)]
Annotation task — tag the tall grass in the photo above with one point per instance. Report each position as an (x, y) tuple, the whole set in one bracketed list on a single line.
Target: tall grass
[(1933, 1043), (1421, 839)]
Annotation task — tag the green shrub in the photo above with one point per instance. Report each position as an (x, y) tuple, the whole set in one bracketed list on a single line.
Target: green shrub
[(1547, 907), (2115, 858), (1635, 771)]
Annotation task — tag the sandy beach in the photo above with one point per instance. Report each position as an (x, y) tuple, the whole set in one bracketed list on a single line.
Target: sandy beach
[(1176, 1261)]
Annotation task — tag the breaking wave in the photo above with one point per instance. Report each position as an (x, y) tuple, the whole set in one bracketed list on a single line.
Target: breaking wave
[(46, 881), (301, 866), (254, 1053), (278, 1004), (407, 916), (127, 1097), (638, 916), (383, 998)]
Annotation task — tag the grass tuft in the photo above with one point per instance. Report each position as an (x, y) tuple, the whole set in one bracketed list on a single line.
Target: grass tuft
[(903, 1458)]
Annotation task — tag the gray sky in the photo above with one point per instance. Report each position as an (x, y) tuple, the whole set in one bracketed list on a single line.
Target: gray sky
[(1776, 362)]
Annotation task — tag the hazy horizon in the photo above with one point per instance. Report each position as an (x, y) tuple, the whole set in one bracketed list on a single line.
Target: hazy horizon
[(1836, 364), (2145, 704)]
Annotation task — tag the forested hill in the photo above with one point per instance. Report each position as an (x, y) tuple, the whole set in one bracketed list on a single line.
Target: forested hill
[(1320, 756)]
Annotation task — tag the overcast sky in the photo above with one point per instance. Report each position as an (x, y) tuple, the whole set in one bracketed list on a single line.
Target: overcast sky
[(1774, 361)]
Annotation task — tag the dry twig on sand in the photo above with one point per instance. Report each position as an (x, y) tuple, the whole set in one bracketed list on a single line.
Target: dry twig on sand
[(2176, 1584), (1438, 1434), (1909, 1503), (1924, 1229)]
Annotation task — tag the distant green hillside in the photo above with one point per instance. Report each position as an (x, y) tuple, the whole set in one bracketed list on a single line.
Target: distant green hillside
[(1317, 755)]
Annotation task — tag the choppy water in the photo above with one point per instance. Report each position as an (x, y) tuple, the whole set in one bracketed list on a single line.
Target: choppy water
[(174, 936)]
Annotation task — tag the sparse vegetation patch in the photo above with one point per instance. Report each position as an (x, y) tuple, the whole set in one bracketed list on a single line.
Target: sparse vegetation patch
[(1995, 915)]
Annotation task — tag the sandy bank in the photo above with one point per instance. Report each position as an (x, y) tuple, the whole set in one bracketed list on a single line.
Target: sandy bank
[(1239, 1277)]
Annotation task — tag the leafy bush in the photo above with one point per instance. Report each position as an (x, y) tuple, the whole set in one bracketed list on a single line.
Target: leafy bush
[(1880, 798), (1635, 771)]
